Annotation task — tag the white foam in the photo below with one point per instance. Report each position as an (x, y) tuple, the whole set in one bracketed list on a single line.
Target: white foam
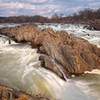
[(95, 40), (95, 71), (20, 68), (77, 29)]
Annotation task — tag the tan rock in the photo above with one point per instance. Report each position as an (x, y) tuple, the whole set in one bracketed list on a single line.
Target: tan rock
[(64, 54)]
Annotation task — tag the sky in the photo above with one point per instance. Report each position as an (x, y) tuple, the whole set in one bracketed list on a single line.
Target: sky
[(44, 7)]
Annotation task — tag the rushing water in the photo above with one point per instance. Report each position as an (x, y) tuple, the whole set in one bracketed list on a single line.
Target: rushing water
[(20, 69), (79, 30)]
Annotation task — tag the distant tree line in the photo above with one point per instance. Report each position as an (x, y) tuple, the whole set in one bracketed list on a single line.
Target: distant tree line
[(23, 19), (87, 14), (84, 16)]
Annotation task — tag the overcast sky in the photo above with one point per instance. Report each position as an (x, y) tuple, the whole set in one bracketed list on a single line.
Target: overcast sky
[(44, 7)]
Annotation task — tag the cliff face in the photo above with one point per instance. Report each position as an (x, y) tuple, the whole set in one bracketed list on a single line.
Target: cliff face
[(61, 53)]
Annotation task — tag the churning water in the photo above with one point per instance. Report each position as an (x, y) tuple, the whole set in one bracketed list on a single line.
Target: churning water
[(20, 69), (78, 29)]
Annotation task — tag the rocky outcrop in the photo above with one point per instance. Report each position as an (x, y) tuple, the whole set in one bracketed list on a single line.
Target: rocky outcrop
[(91, 24), (60, 52), (10, 94), (95, 25)]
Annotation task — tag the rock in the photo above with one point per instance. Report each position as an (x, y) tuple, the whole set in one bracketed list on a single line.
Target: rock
[(50, 64), (10, 94), (74, 54), (22, 33), (73, 76), (62, 53), (95, 25), (89, 27)]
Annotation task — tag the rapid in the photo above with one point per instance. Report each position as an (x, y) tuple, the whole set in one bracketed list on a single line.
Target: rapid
[(21, 69)]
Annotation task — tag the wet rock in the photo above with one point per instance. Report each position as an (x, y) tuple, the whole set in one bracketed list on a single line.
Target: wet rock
[(50, 64), (63, 54), (95, 25), (89, 27), (92, 25), (10, 94)]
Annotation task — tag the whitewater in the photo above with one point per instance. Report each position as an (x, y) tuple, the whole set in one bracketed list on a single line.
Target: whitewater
[(21, 69)]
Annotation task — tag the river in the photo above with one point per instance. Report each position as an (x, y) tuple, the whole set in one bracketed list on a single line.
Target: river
[(20, 68)]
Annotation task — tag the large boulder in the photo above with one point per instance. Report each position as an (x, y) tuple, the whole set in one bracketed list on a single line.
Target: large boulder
[(24, 33), (62, 53), (71, 54)]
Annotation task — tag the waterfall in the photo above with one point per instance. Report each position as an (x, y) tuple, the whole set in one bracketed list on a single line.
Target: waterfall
[(60, 69), (22, 69)]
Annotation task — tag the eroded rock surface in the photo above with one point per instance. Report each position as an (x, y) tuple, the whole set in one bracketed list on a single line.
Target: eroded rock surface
[(10, 94), (61, 53)]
